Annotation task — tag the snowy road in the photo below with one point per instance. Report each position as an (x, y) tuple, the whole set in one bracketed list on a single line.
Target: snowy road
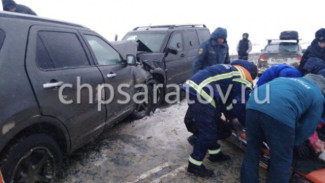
[(153, 149)]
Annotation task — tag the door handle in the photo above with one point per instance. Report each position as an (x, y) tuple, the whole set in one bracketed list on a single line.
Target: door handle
[(182, 55), (111, 75), (52, 85)]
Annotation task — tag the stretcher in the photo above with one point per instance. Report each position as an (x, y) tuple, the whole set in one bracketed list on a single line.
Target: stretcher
[(1, 178), (316, 176)]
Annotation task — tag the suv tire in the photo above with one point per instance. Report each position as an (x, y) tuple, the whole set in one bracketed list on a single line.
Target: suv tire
[(145, 108), (35, 158), (158, 94)]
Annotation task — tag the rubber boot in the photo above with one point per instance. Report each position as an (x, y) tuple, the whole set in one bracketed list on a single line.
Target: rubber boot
[(219, 157), (200, 171)]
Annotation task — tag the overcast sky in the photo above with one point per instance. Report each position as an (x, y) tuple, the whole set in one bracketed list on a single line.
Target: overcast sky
[(262, 19)]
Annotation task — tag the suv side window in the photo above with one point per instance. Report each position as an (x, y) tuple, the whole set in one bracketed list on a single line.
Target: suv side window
[(104, 53), (2, 37), (204, 34), (191, 40), (176, 42), (60, 50)]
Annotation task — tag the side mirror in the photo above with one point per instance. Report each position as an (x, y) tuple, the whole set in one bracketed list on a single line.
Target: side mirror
[(130, 60)]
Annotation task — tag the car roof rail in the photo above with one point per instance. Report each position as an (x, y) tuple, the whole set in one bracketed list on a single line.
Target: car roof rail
[(269, 41), (170, 26), (36, 18)]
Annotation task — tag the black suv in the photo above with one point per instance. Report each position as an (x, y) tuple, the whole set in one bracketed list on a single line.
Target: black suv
[(39, 58), (168, 51), (285, 50)]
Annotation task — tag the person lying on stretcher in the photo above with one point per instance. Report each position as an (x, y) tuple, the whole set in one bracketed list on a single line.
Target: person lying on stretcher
[(313, 148)]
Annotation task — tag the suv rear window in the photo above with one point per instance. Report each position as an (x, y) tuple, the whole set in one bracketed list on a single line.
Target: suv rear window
[(60, 50), (204, 34), (191, 40), (2, 37), (282, 47)]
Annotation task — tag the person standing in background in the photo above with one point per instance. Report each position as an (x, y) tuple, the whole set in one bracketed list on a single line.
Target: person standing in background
[(316, 49), (244, 47), (212, 51)]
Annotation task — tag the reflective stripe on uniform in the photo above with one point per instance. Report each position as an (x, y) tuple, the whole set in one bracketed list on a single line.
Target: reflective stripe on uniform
[(245, 74), (200, 91), (195, 162), (229, 107), (216, 151), (218, 77), (245, 82), (240, 70)]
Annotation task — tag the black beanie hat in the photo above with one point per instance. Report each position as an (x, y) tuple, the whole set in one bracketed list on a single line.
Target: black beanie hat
[(246, 34), (320, 35)]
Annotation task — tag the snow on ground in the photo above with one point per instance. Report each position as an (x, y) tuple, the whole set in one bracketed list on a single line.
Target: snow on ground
[(153, 149)]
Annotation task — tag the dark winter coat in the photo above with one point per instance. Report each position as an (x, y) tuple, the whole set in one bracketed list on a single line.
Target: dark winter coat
[(206, 83), (315, 65), (312, 51), (210, 53), (243, 47)]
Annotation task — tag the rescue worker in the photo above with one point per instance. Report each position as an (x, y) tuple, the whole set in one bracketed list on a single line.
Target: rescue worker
[(279, 70), (10, 5), (290, 114), (210, 90), (212, 51), (315, 65), (244, 47), (316, 49)]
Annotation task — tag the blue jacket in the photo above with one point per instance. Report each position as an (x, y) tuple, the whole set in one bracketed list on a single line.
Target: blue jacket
[(210, 53), (280, 70), (213, 82), (295, 102), (315, 65)]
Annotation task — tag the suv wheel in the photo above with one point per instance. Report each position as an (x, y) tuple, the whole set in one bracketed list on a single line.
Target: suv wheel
[(35, 158), (144, 109), (158, 94)]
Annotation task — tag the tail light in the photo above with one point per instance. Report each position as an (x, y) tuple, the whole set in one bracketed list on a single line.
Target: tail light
[(299, 58), (262, 58)]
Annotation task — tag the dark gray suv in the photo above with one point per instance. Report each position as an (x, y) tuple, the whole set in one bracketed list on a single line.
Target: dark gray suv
[(40, 59), (168, 51)]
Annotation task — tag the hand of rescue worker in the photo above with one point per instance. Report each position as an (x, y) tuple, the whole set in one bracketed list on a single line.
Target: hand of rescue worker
[(320, 146), (237, 126)]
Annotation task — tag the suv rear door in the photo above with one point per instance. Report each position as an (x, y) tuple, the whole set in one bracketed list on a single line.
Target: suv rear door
[(58, 56), (175, 63), (115, 73), (191, 45)]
